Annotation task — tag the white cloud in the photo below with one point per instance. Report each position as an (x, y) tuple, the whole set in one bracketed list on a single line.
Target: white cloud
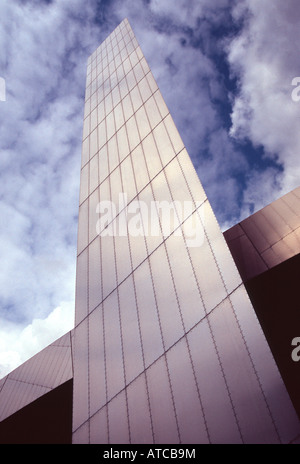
[(43, 60), (265, 58), (189, 13)]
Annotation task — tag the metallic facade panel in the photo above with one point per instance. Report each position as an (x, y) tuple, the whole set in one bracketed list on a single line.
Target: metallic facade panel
[(82, 239), (140, 421), (163, 413), (118, 425), (163, 143), (97, 366), (131, 333), (103, 163), (188, 296), (81, 364), (93, 216), (81, 294), (167, 306), (241, 378), (84, 184), (152, 157), (148, 316), (191, 177), (140, 168), (123, 251), (95, 274), (17, 394), (172, 360), (98, 429), (93, 174), (113, 156), (207, 274), (220, 416), (82, 434), (187, 398), (267, 238), (115, 369)]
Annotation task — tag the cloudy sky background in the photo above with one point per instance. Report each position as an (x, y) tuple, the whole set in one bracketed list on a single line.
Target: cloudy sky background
[(225, 69)]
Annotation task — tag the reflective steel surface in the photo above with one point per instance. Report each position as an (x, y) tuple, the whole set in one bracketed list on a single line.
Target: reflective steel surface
[(167, 347), (268, 237)]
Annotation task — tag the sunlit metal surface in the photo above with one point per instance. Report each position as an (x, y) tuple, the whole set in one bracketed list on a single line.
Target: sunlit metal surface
[(167, 345)]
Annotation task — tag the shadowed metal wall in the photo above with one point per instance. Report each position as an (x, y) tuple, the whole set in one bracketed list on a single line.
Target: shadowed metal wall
[(268, 237), (36, 397), (46, 420)]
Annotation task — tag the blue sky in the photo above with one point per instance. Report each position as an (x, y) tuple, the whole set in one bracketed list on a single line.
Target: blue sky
[(225, 69)]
